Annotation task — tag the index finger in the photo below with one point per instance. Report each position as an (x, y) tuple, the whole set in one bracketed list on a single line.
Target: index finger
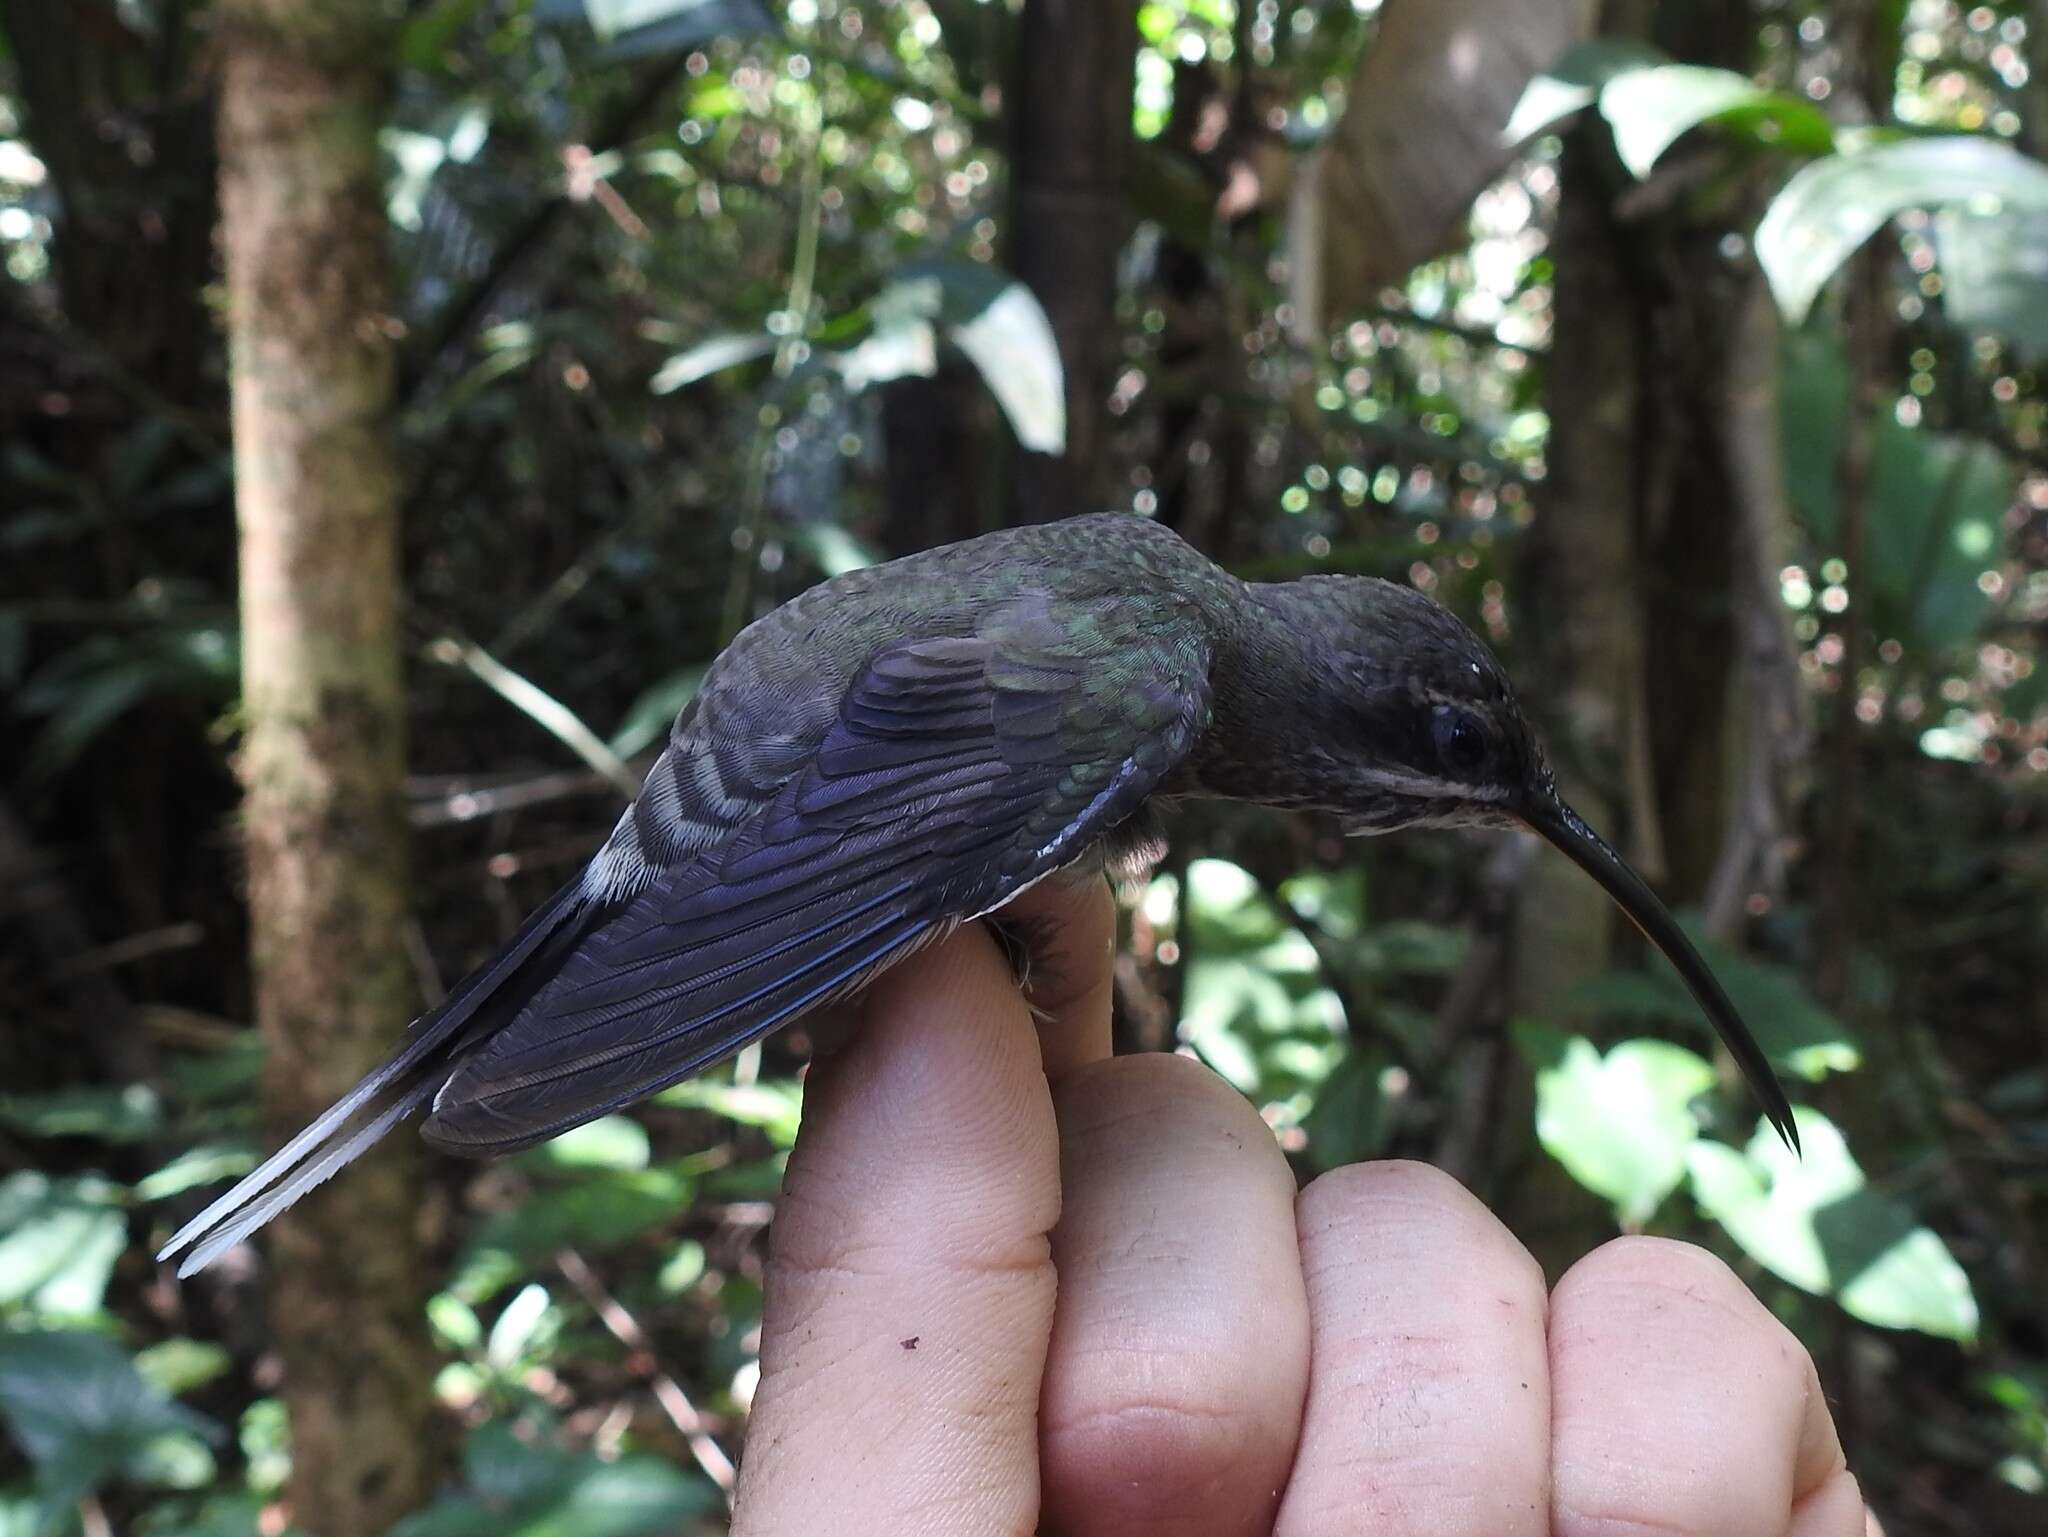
[(910, 1287)]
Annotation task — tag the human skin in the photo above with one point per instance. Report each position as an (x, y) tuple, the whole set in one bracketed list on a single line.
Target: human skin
[(1019, 1285)]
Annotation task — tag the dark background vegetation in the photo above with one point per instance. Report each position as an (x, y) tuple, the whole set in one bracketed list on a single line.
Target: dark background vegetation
[(694, 302)]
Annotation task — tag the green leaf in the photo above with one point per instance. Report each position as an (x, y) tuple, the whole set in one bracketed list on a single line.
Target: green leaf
[(424, 39), (681, 1270), (1994, 273), (775, 1106), (833, 548), (1574, 83), (196, 1166), (1813, 1221), (1649, 109), (1354, 1115), (1938, 502), (610, 1142), (994, 320), (520, 1323), (1013, 345), (1621, 1124), (599, 1212), (454, 1321), (128, 1114), (83, 1414), (1829, 208), (524, 1487), (59, 1239), (177, 1366)]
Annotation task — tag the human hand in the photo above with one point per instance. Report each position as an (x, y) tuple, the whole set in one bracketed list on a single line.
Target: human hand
[(1019, 1285)]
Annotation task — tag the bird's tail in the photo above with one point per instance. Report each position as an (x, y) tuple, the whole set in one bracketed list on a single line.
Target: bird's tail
[(400, 1087)]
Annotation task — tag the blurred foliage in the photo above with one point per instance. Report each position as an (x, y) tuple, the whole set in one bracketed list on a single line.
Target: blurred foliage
[(702, 302)]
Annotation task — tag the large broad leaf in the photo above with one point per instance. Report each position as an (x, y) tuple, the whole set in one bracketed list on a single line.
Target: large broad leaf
[(1649, 109), (127, 1114), (83, 1414), (1422, 134), (1573, 83), (1937, 502), (1994, 273), (1812, 1220), (1622, 1124), (634, 27), (994, 320), (59, 1239), (1829, 208)]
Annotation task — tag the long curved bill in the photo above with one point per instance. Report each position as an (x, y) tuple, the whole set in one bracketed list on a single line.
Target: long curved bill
[(1566, 829)]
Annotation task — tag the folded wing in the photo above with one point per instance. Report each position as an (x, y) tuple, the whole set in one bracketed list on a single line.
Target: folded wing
[(959, 770)]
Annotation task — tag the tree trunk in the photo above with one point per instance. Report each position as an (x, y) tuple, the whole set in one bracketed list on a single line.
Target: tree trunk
[(1580, 576), (1071, 110), (1635, 559), (303, 90)]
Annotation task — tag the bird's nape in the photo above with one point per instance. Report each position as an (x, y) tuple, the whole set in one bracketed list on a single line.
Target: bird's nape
[(1568, 832)]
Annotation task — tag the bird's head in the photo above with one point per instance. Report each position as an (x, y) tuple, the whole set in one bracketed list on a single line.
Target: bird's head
[(1423, 730)]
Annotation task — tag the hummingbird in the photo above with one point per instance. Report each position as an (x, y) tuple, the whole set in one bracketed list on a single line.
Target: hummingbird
[(906, 748)]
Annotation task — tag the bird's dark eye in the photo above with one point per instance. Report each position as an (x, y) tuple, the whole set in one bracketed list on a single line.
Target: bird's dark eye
[(1460, 740)]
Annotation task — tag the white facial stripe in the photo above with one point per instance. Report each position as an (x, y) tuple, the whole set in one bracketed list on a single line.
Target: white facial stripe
[(1417, 787)]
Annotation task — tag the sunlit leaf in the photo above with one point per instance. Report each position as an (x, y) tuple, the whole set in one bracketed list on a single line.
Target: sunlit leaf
[(633, 27), (1813, 1221), (1994, 273), (197, 1166), (177, 1366), (1012, 343), (130, 1113), (1573, 83), (1649, 109), (59, 1239), (1621, 1124), (609, 1142), (518, 1325), (1830, 207), (833, 548), (775, 1106), (710, 356)]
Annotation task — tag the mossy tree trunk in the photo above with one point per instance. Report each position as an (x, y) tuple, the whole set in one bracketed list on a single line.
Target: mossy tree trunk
[(302, 93)]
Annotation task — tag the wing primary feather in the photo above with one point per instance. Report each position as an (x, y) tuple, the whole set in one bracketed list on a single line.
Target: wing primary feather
[(475, 1127), (610, 1012), (423, 1044)]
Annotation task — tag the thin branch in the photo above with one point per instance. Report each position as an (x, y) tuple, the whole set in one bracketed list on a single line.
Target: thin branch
[(668, 1393), (546, 711), (465, 800)]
